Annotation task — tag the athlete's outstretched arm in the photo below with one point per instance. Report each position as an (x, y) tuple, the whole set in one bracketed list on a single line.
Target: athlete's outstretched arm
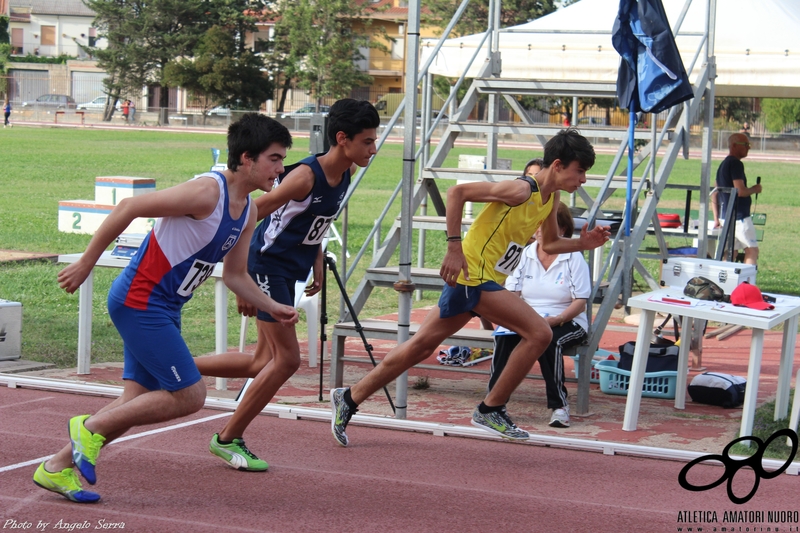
[(552, 243), (294, 186)]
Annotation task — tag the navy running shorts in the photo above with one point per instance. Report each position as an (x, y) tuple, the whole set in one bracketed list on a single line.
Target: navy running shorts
[(462, 298), (156, 356), (278, 288)]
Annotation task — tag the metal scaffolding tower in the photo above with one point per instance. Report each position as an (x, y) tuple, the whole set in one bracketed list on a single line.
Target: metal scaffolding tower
[(614, 272)]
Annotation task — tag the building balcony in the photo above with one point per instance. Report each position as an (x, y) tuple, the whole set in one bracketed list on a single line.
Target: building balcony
[(384, 67)]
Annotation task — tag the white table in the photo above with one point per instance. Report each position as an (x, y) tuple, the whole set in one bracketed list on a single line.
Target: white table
[(786, 312)]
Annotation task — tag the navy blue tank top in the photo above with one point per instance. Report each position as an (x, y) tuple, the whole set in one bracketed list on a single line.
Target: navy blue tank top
[(287, 242)]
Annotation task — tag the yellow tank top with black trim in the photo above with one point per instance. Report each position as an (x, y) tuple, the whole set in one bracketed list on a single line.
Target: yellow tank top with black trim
[(494, 243)]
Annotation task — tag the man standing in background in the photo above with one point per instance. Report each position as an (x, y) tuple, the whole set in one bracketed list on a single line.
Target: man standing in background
[(730, 174)]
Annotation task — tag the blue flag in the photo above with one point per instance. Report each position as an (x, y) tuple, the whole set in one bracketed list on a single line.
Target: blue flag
[(651, 76)]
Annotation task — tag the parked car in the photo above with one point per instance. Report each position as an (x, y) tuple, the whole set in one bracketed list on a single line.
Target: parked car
[(388, 103), (219, 111), (306, 111), (56, 101), (98, 104), (434, 113), (591, 121)]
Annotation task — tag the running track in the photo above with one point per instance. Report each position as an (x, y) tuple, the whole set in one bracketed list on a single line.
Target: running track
[(387, 480)]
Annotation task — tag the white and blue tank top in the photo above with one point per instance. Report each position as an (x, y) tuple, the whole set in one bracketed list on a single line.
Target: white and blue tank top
[(178, 255)]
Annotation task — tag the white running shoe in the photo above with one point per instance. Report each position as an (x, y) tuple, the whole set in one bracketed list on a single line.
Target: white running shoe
[(560, 418)]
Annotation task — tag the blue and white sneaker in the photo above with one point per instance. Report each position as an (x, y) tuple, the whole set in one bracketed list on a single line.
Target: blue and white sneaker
[(454, 356)]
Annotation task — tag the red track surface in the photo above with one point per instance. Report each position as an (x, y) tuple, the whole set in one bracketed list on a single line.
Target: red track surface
[(386, 481)]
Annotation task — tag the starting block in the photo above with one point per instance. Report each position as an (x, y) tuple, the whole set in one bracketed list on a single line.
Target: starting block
[(85, 216)]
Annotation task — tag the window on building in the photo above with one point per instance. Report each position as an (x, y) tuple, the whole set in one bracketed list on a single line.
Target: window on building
[(48, 35), (92, 36), (16, 41), (362, 63), (261, 42), (398, 48)]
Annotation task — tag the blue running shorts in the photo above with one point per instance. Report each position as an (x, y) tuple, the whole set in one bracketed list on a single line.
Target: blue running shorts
[(462, 298), (156, 356), (278, 288)]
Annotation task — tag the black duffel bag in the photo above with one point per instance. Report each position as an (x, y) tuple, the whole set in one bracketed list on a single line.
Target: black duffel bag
[(715, 388), (660, 358)]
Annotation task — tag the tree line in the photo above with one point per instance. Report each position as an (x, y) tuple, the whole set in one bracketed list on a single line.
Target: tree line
[(202, 46)]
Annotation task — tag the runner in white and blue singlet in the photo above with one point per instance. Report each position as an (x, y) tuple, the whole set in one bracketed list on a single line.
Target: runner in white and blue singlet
[(178, 255), (199, 222)]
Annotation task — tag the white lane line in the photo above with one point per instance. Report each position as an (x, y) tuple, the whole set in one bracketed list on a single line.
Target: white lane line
[(123, 439), (27, 401), (170, 428)]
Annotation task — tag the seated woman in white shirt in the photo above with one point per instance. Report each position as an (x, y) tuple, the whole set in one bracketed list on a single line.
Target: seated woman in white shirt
[(557, 287)]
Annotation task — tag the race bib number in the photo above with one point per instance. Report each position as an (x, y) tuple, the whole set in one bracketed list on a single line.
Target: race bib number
[(318, 230), (510, 259), (198, 273)]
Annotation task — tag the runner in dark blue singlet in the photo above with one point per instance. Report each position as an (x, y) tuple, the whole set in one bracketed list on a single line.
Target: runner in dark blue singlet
[(287, 245)]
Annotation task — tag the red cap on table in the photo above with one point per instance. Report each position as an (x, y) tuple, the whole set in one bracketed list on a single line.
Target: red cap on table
[(749, 296)]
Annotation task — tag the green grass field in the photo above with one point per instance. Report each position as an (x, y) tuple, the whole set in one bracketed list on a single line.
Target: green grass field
[(45, 165)]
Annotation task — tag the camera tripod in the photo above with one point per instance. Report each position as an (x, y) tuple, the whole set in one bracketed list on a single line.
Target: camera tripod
[(329, 262)]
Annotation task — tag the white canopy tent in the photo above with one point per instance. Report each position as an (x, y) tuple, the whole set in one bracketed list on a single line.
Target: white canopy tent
[(757, 46)]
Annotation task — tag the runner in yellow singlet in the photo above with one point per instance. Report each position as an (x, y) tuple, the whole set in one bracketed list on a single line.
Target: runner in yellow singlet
[(474, 272), (494, 243)]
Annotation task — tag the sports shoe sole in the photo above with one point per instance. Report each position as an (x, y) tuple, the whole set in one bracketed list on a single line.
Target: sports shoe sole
[(67, 496), (239, 468)]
